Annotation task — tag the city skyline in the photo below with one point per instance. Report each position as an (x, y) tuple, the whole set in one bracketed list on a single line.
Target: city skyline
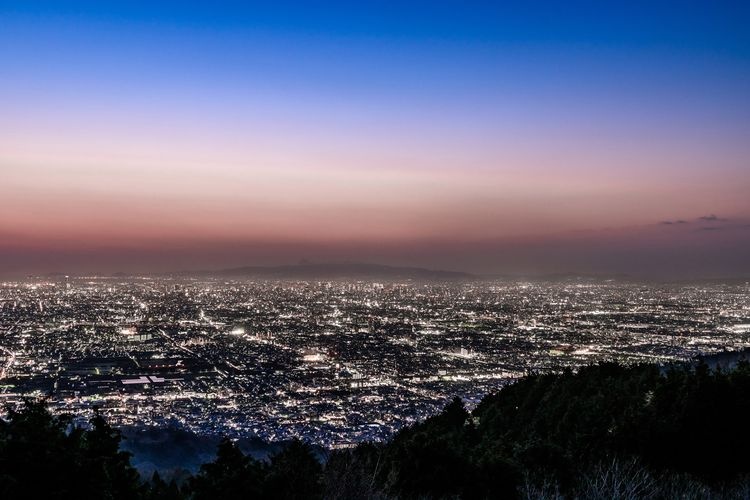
[(374, 250), (142, 138)]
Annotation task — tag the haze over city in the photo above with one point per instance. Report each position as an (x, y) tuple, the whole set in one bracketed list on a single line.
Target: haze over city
[(492, 139)]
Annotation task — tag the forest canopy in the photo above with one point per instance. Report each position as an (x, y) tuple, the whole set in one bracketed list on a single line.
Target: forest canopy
[(607, 430)]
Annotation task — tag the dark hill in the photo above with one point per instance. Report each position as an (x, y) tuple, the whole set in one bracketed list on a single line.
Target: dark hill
[(605, 431), (332, 271)]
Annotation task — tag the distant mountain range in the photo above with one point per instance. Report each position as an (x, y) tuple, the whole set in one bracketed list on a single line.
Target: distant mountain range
[(334, 271), (367, 271)]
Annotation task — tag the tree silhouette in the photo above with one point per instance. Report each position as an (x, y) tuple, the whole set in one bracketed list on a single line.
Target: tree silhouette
[(232, 475), (294, 473), (41, 456), (158, 489), (604, 431)]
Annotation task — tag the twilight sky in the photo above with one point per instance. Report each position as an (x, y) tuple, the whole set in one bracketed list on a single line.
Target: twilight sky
[(544, 137)]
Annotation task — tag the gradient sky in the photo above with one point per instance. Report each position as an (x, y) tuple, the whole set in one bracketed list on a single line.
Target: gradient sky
[(537, 137)]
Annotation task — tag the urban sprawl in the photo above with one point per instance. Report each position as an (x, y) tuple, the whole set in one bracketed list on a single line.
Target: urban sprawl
[(334, 363)]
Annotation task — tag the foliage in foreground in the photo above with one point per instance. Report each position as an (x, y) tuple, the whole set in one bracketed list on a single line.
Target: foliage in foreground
[(607, 431)]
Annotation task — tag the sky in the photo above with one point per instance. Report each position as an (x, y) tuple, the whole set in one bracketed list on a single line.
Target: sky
[(494, 137)]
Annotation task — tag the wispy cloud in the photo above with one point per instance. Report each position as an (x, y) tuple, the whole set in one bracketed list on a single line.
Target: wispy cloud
[(671, 222), (712, 218)]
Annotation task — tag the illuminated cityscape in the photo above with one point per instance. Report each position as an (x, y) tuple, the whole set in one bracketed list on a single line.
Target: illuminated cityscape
[(374, 250), (332, 362)]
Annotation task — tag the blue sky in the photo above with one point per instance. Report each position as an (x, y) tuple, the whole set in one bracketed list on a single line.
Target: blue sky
[(416, 124)]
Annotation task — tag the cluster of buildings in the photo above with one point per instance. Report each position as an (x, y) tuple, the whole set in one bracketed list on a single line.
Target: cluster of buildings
[(335, 363)]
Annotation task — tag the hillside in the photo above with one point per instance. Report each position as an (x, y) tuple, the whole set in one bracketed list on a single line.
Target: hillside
[(606, 431)]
